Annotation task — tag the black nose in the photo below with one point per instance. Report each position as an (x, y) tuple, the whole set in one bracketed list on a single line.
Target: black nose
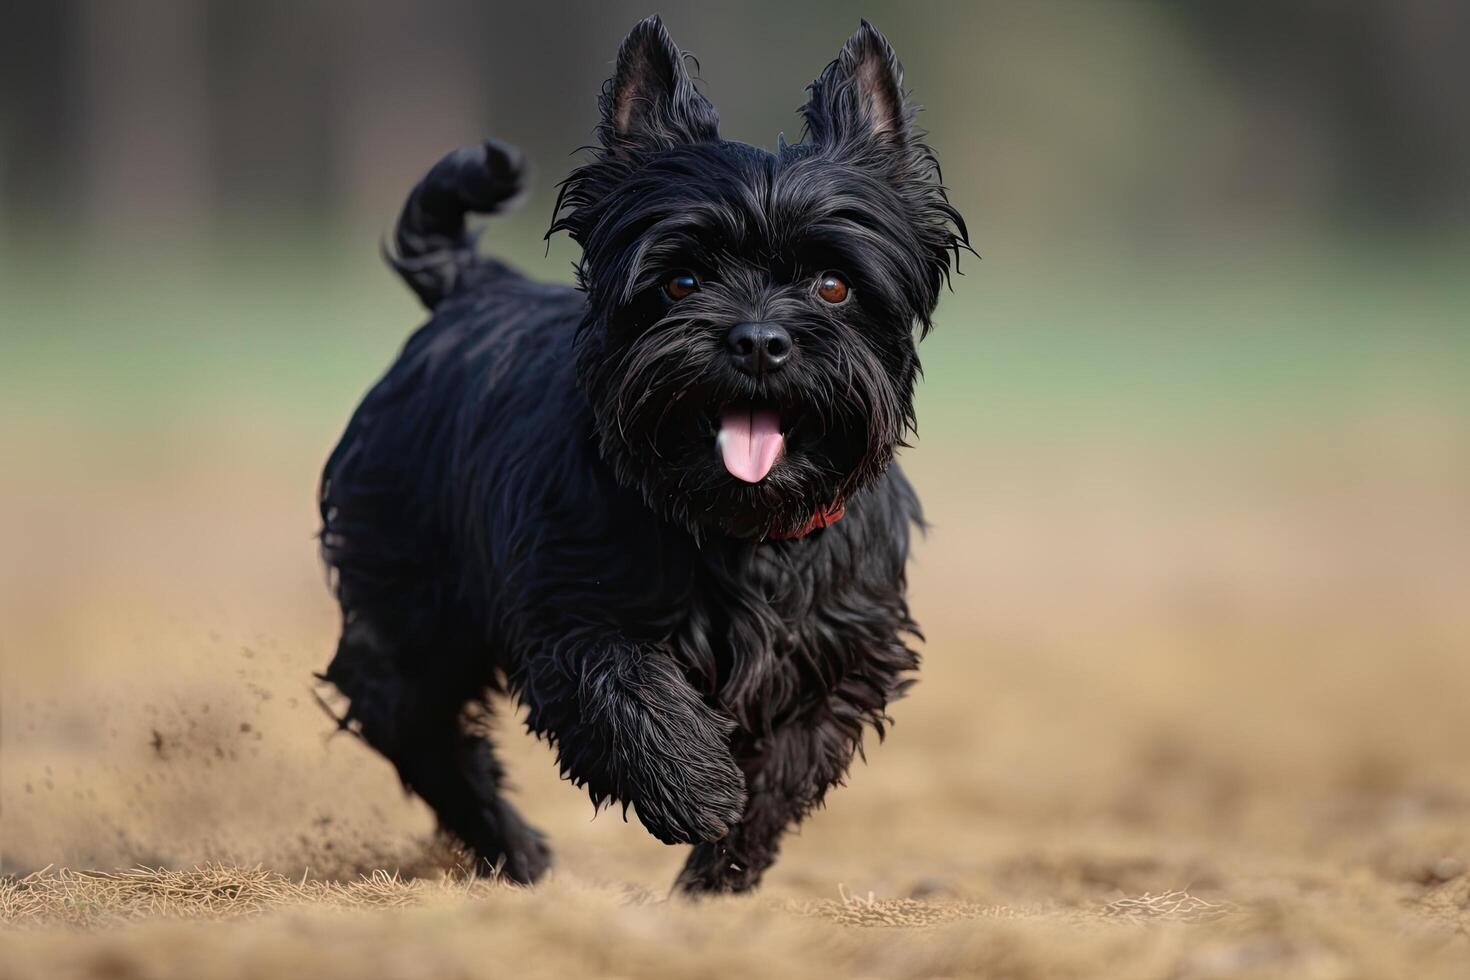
[(758, 348)]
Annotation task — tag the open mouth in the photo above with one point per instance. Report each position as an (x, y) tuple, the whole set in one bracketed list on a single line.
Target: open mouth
[(750, 440)]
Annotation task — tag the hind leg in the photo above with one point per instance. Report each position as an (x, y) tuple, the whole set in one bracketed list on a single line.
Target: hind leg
[(413, 714)]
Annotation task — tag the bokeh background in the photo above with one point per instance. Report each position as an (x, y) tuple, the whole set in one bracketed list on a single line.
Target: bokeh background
[(1195, 433)]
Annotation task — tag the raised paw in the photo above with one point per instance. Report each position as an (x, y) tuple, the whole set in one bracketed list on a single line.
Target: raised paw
[(689, 801), (641, 735), (675, 756)]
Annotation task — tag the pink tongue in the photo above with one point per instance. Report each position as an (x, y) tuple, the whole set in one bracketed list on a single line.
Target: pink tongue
[(750, 441)]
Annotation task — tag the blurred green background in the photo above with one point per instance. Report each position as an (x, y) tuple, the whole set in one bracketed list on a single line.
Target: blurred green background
[(1194, 218)]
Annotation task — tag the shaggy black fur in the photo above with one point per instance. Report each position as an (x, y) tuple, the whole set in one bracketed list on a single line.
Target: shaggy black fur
[(531, 500)]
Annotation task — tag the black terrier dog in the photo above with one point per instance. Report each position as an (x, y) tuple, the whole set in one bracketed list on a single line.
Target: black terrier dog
[(659, 509)]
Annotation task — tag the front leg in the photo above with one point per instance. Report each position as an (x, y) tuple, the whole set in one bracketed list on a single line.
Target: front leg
[(627, 724), (787, 774)]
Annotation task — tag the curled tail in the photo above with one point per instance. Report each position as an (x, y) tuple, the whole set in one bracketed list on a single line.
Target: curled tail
[(432, 250)]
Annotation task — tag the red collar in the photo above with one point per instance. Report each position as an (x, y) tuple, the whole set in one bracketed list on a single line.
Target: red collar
[(820, 519)]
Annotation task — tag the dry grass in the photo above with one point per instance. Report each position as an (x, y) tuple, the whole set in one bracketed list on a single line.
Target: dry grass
[(227, 922), (53, 897), (1180, 718), (110, 898)]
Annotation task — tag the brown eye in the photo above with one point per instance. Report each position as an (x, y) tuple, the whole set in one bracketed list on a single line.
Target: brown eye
[(832, 288), (681, 284)]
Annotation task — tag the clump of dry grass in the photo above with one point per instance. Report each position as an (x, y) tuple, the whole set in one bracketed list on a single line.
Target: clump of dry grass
[(868, 910), (1177, 905)]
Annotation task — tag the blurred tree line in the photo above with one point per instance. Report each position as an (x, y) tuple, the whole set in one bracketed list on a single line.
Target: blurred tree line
[(1370, 99), (120, 113)]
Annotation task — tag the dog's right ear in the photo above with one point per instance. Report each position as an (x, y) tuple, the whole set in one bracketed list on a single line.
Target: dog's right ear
[(650, 102)]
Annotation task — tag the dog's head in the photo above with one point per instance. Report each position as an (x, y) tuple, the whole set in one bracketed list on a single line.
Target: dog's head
[(749, 350)]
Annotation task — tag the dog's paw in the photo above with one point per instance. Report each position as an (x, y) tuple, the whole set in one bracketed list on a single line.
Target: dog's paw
[(721, 868), (690, 801), (509, 849), (643, 737), (524, 863), (672, 750)]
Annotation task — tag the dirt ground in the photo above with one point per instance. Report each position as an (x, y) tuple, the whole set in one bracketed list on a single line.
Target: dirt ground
[(1187, 711)]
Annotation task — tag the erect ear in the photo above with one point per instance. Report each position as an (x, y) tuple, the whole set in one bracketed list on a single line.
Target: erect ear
[(860, 95), (650, 100)]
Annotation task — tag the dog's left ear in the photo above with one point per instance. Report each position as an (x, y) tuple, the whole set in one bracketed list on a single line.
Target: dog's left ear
[(650, 102), (860, 95), (858, 112)]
